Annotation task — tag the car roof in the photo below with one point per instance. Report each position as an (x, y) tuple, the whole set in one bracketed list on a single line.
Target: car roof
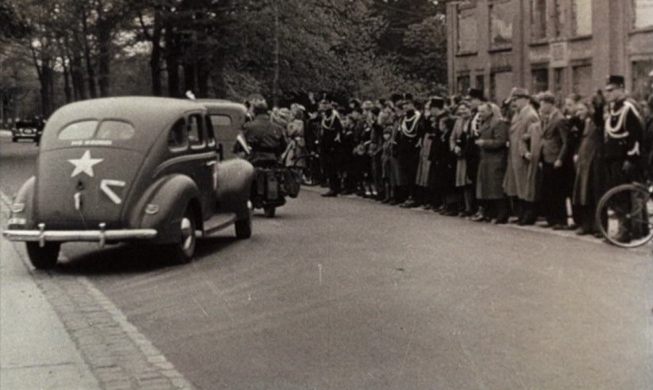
[(223, 105), (150, 115)]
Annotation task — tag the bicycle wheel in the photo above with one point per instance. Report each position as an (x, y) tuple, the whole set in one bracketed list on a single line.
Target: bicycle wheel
[(625, 216)]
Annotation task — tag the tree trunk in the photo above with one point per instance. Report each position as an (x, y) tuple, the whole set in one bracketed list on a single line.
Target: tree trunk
[(87, 56), (172, 61), (104, 57), (155, 57), (66, 80), (189, 77)]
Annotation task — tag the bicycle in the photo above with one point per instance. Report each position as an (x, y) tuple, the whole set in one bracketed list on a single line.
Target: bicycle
[(624, 215), (308, 165)]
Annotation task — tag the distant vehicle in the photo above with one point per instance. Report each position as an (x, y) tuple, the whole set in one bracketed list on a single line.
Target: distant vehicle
[(130, 169), (27, 129)]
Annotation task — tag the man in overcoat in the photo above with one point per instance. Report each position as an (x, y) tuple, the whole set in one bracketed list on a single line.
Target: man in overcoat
[(492, 141), (515, 181)]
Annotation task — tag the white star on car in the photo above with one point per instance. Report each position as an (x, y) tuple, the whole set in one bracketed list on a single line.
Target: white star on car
[(84, 164)]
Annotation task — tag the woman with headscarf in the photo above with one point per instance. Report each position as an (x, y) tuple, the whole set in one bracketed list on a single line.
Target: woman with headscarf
[(588, 165)]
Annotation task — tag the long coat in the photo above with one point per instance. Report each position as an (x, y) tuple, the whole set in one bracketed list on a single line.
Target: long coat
[(515, 182), (443, 171), (589, 168), (494, 159), (533, 144), (555, 138)]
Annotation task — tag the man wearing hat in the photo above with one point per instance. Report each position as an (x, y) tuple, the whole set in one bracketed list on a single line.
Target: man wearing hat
[(623, 139), (515, 183), (434, 108), (553, 155), (472, 151)]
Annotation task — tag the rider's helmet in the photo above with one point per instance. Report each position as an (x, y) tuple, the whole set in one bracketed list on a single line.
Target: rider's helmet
[(258, 104)]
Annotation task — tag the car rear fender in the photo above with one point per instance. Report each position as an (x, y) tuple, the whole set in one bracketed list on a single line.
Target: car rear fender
[(22, 207), (163, 205), (233, 186)]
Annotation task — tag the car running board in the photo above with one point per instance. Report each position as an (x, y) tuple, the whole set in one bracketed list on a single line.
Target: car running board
[(216, 223)]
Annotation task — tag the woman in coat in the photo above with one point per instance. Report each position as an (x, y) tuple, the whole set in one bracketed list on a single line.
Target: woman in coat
[(493, 144), (587, 184), (458, 144)]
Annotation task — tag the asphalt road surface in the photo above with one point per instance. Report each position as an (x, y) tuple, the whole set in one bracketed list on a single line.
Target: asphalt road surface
[(349, 294)]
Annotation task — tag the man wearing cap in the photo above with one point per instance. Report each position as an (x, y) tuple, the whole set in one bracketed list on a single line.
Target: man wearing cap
[(265, 138), (623, 139), (515, 183), (553, 155), (408, 144), (331, 146)]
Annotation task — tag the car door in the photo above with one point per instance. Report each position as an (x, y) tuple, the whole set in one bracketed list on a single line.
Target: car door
[(204, 164)]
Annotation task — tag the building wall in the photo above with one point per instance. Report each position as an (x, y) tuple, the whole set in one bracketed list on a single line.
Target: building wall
[(559, 60)]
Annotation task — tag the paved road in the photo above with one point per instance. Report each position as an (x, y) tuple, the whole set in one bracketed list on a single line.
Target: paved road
[(348, 294)]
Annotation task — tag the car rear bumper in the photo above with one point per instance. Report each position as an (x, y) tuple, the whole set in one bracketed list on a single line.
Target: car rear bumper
[(100, 236)]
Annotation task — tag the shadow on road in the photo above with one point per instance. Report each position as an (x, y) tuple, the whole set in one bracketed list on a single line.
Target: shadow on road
[(133, 259)]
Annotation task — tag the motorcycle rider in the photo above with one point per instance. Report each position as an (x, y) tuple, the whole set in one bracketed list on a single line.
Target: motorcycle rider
[(264, 138)]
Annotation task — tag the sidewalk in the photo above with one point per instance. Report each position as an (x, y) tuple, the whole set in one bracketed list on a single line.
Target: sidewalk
[(36, 352)]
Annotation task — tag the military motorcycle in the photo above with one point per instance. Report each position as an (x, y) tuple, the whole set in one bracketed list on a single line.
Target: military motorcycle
[(273, 182)]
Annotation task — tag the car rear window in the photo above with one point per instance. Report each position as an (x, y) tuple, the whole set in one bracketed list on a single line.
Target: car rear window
[(221, 120), (78, 130), (115, 130)]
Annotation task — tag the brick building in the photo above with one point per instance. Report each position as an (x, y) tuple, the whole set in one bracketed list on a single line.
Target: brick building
[(559, 45)]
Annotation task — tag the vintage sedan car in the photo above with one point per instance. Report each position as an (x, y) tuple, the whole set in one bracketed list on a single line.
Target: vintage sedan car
[(129, 169), (227, 119), (27, 129)]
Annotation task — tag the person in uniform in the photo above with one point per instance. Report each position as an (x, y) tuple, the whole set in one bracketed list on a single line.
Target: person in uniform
[(623, 140), (408, 144), (265, 139), (515, 182), (331, 130), (493, 144)]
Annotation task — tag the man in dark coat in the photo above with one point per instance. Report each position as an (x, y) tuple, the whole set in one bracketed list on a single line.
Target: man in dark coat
[(492, 141), (555, 146), (265, 139), (411, 128), (331, 146), (443, 173), (622, 147)]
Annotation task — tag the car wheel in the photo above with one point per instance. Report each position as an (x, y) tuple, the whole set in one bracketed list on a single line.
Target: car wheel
[(270, 211), (244, 228), (43, 257), (183, 251)]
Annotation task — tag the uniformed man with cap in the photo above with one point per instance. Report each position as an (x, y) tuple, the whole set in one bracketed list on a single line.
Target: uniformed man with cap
[(264, 138), (331, 146), (623, 139)]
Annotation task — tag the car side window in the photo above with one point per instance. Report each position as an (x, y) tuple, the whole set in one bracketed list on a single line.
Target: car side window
[(177, 137), (210, 136), (195, 131)]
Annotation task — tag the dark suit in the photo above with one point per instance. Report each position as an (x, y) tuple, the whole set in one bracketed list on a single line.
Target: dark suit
[(555, 146)]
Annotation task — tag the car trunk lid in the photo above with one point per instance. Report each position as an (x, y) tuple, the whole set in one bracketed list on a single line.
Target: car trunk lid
[(79, 188)]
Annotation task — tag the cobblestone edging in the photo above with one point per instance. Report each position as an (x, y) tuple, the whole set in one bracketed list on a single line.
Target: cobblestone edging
[(118, 355)]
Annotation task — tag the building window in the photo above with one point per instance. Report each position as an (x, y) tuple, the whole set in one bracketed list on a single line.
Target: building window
[(467, 30), (538, 19), (641, 86), (558, 18), (540, 80), (500, 85), (501, 15), (582, 80), (462, 84), (480, 82), (643, 15), (582, 17)]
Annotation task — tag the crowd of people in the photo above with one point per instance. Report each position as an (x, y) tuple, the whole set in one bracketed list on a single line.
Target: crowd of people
[(531, 157)]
